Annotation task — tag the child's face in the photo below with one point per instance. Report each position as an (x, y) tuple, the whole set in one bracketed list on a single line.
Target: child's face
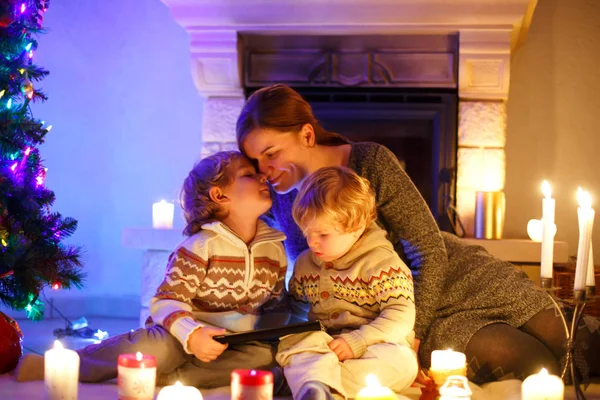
[(327, 240), (248, 191)]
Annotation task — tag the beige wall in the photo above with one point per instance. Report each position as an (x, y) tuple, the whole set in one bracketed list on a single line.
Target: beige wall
[(553, 127)]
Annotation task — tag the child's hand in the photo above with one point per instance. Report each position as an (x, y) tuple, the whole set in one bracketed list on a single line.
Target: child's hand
[(341, 348), (422, 379), (203, 346)]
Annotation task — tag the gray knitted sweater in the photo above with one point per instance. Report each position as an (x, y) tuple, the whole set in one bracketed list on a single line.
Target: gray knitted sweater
[(459, 288)]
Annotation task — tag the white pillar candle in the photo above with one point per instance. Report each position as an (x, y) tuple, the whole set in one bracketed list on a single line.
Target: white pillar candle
[(61, 373), (591, 272), (162, 215), (585, 214), (136, 376), (542, 386), (548, 205), (179, 392), (374, 390)]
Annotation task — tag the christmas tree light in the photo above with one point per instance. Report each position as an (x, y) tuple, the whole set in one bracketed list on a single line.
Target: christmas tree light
[(32, 256)]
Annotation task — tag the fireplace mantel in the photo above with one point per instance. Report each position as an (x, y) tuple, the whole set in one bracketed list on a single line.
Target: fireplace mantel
[(485, 28), (347, 16), (487, 31)]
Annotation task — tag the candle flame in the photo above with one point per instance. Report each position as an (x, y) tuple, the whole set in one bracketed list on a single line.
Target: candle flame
[(139, 356), (178, 384), (546, 189), (450, 350), (58, 345), (253, 373), (372, 380), (584, 198), (544, 371)]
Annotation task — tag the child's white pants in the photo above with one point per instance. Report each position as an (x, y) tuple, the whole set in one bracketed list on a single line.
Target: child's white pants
[(307, 357)]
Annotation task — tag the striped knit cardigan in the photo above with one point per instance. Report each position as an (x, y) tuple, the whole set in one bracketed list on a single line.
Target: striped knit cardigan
[(215, 279)]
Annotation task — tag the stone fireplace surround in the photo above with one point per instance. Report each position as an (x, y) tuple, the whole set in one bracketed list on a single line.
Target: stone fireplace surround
[(479, 68)]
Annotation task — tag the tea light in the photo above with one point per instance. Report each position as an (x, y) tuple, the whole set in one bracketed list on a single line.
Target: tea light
[(542, 386), (137, 376), (61, 373), (445, 363), (374, 390), (456, 388), (179, 392), (251, 385), (162, 215)]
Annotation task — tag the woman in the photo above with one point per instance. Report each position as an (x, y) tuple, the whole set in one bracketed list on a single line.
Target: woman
[(466, 299)]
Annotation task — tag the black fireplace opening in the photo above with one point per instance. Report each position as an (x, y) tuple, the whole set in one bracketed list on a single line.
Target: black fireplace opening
[(418, 125)]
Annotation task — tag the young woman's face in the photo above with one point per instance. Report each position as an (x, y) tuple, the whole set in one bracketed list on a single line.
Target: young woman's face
[(282, 157)]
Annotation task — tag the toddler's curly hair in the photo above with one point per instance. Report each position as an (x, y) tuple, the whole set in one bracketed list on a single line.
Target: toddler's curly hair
[(338, 194)]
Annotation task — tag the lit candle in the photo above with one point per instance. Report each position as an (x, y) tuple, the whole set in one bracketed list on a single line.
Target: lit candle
[(179, 392), (136, 376), (61, 373), (548, 205), (445, 363), (374, 390), (591, 273), (585, 214), (542, 386), (456, 388), (251, 385), (162, 215)]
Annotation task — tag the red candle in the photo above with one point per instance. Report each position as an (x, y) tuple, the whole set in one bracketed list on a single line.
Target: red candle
[(251, 384), (137, 376)]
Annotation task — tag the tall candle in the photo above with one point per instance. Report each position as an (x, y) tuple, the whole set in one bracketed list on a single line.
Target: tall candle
[(591, 272), (136, 376), (374, 390), (585, 214), (61, 373), (162, 215), (542, 386), (548, 205), (179, 392)]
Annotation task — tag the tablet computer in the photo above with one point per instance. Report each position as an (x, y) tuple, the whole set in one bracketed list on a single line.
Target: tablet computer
[(269, 333)]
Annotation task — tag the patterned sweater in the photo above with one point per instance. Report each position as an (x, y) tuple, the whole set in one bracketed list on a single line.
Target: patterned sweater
[(367, 294), (215, 279)]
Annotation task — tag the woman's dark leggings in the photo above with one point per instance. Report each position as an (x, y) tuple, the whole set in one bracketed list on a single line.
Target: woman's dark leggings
[(499, 351)]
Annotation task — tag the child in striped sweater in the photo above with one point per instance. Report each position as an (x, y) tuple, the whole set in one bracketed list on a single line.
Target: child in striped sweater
[(354, 282), (227, 276)]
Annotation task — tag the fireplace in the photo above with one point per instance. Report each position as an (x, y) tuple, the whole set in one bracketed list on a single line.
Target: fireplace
[(356, 48), (396, 90)]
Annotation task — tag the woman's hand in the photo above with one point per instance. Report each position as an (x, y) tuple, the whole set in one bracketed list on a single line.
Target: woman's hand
[(422, 378), (341, 348), (203, 346)]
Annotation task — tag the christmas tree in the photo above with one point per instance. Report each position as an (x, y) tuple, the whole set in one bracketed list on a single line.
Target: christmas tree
[(31, 254)]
